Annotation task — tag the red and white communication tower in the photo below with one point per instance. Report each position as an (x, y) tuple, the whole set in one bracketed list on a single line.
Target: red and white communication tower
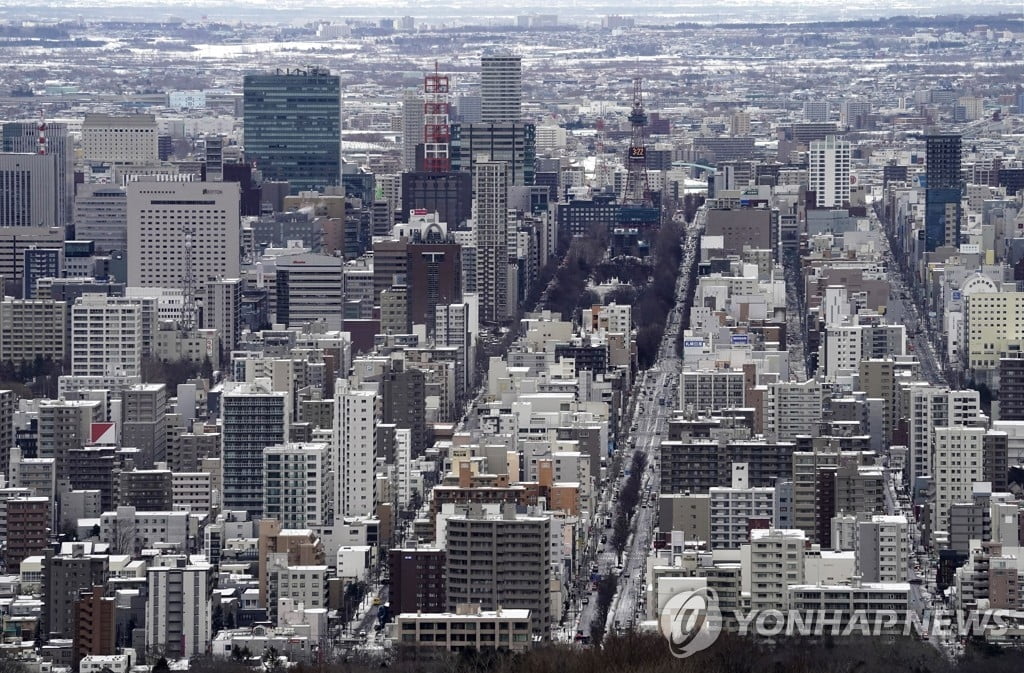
[(436, 132)]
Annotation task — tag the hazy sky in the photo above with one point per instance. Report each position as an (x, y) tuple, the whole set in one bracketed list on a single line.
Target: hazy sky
[(299, 11)]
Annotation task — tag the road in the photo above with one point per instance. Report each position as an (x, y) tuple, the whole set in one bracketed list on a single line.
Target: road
[(660, 382)]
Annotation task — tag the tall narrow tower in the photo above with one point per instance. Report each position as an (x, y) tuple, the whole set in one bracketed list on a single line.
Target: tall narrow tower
[(637, 192), (436, 132)]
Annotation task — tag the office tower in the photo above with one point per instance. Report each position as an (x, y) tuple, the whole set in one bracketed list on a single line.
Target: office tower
[(24, 137), (943, 190), (27, 191), (39, 263), (434, 278), (450, 195), (28, 529), (514, 143), (310, 289), (417, 580), (222, 310), (297, 490), (394, 310), (125, 139), (254, 417), (64, 576), (356, 416), (292, 129), (490, 185), (412, 128), (959, 459), (993, 325), (829, 172), (179, 610), (106, 343), (182, 229), (145, 422), (501, 88), (816, 111), (500, 561)]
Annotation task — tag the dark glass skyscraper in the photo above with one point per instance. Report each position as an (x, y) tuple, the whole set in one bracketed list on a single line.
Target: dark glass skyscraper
[(293, 127), (943, 190)]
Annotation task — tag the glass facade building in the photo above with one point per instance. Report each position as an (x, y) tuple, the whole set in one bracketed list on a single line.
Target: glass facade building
[(293, 127)]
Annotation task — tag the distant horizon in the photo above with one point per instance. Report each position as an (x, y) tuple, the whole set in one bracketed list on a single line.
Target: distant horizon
[(495, 14)]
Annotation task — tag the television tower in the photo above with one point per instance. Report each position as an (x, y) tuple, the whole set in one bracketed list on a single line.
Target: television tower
[(436, 132), (637, 192)]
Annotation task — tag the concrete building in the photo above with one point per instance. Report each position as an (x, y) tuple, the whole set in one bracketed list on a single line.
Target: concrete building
[(735, 511), (28, 192), (356, 416), (23, 137), (129, 531), (145, 422), (412, 127), (93, 615), (128, 139), (466, 629), (31, 328), (310, 289), (29, 524), (959, 456), (776, 563), (792, 408), (705, 391), (253, 418), (993, 325), (177, 228), (146, 490), (501, 88), (417, 580), (490, 185), (930, 407), (690, 514), (101, 216), (882, 548), (179, 609), (501, 561), (106, 341), (829, 163), (298, 485), (64, 426), (222, 308)]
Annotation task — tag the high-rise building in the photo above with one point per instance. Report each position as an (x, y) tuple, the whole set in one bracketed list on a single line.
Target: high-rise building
[(28, 528), (943, 191), (179, 609), (490, 185), (222, 310), (958, 464), (40, 263), (404, 403), (297, 487), (65, 425), (412, 128), (310, 289), (356, 416), (254, 417), (776, 563), (122, 139), (25, 137), (106, 343), (64, 576), (181, 228), (292, 127), (101, 216), (829, 172), (417, 580), (501, 88), (27, 191), (95, 632), (145, 423), (449, 194), (816, 111), (511, 142), (882, 549), (501, 561)]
